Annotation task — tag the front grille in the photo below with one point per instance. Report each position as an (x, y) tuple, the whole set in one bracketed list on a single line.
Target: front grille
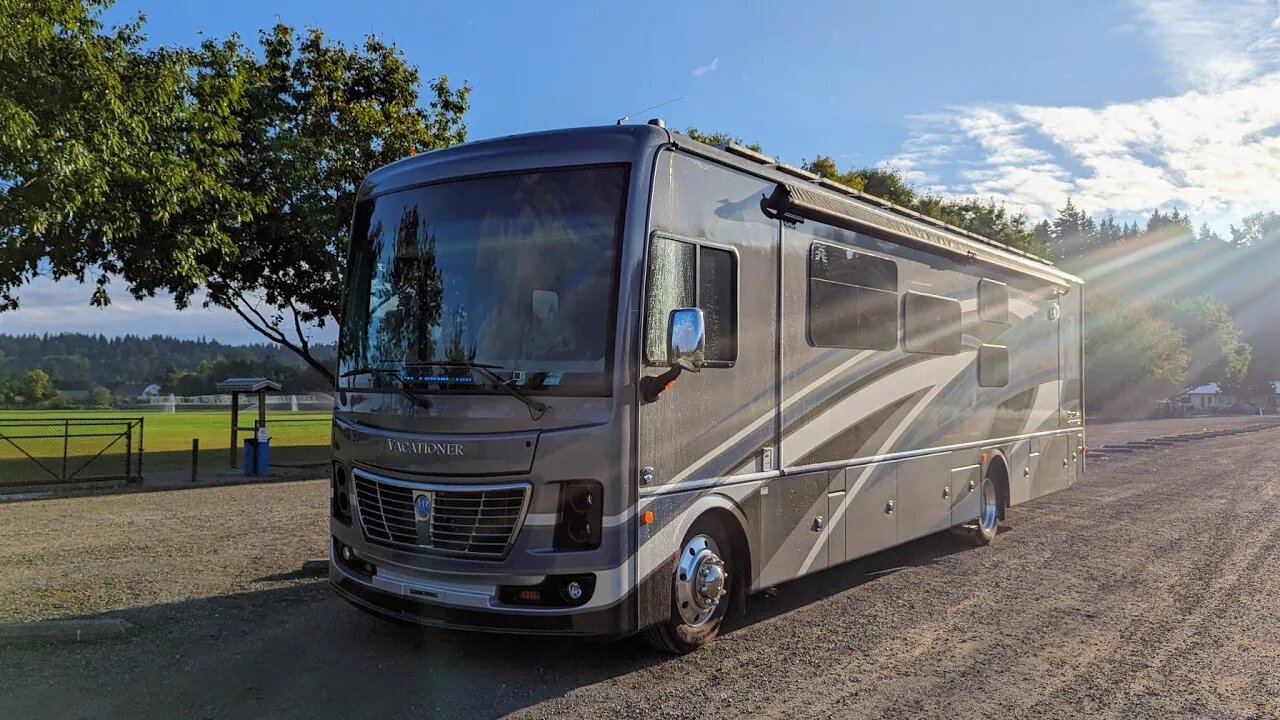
[(472, 521)]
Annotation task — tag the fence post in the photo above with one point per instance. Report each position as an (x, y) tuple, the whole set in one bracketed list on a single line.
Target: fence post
[(195, 458), (128, 451), (142, 426), (235, 420), (66, 438)]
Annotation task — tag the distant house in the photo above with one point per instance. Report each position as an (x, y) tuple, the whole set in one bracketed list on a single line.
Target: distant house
[(1211, 397), (1205, 398)]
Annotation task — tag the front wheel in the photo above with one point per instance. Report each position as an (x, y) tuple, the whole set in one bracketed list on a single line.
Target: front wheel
[(984, 530), (701, 584)]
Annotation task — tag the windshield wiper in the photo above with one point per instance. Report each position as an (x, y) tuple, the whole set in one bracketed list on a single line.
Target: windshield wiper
[(416, 399), (534, 404), (370, 371)]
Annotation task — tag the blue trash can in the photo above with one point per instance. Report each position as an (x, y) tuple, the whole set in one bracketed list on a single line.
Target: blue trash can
[(250, 462), (262, 457)]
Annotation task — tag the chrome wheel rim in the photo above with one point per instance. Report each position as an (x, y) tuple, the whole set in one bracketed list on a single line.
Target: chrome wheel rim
[(990, 509), (701, 580)]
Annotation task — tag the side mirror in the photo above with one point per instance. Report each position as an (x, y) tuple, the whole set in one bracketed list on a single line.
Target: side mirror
[(686, 339), (686, 349)]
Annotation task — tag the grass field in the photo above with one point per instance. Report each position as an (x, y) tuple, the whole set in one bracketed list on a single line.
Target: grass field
[(295, 436)]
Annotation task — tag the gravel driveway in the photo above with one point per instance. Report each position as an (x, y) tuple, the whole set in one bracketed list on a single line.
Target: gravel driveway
[(1149, 590)]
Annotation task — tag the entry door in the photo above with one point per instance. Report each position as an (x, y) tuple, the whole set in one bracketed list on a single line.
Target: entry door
[(713, 248)]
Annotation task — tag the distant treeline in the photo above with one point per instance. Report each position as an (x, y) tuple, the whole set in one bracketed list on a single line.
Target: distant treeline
[(125, 365), (1172, 305)]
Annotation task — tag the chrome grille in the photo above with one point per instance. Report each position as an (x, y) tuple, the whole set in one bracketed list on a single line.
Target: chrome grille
[(479, 521)]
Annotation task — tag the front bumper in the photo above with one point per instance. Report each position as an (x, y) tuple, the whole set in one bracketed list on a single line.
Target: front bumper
[(615, 621)]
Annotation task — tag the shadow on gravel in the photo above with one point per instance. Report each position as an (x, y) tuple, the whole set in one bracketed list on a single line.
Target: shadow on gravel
[(299, 651), (813, 588)]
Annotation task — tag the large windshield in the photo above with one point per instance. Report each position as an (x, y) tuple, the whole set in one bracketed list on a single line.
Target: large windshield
[(516, 271)]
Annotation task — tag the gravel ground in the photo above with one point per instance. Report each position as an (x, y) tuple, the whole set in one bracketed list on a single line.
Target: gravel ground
[(1099, 434), (1151, 589), (78, 555)]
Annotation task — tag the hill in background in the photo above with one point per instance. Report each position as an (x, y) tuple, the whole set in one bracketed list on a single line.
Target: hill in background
[(125, 365)]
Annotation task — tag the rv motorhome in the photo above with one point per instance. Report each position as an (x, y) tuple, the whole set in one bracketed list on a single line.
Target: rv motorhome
[(612, 380)]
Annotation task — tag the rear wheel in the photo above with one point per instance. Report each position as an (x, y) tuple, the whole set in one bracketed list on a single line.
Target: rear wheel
[(701, 584), (988, 523)]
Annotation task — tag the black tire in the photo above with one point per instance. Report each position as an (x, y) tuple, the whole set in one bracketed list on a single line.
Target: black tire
[(984, 530), (677, 635)]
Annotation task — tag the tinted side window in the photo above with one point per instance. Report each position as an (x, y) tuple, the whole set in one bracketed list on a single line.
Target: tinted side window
[(993, 366), (683, 274), (853, 300), (717, 296), (932, 324), (993, 301)]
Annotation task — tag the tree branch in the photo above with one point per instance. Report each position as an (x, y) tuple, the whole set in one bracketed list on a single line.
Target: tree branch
[(297, 326), (272, 333)]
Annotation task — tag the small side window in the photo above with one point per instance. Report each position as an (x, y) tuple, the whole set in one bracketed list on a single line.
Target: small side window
[(932, 324), (993, 366), (993, 301), (684, 274)]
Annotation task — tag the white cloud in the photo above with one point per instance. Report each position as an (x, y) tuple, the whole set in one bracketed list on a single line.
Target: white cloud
[(1212, 45), (708, 68), (1212, 149)]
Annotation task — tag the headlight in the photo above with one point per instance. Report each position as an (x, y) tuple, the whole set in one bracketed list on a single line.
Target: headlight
[(579, 517)]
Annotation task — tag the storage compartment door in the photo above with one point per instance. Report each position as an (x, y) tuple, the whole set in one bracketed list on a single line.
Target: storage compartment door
[(871, 518)]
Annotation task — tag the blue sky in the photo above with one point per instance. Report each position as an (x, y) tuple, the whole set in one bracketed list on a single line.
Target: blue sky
[(1124, 106)]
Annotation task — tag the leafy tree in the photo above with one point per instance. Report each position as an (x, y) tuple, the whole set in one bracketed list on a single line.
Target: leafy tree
[(36, 386), (824, 166), (890, 185), (1256, 230), (720, 138), (224, 169), (1216, 353), (987, 218), (103, 168), (58, 402), (101, 397), (313, 118), (1256, 385), (1132, 357), (68, 372)]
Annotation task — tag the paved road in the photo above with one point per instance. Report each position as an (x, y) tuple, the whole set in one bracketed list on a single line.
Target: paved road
[(1149, 590)]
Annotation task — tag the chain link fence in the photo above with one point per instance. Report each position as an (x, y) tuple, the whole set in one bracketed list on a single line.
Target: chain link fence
[(37, 451), (300, 439)]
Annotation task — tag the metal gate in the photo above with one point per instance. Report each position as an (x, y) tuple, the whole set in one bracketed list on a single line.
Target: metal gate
[(37, 451)]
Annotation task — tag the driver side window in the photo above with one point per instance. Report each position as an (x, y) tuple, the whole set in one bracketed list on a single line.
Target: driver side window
[(684, 274)]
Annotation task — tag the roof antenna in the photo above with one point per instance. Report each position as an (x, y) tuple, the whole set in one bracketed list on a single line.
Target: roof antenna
[(625, 118)]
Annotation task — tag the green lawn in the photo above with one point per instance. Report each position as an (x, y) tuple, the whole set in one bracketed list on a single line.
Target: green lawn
[(166, 440)]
